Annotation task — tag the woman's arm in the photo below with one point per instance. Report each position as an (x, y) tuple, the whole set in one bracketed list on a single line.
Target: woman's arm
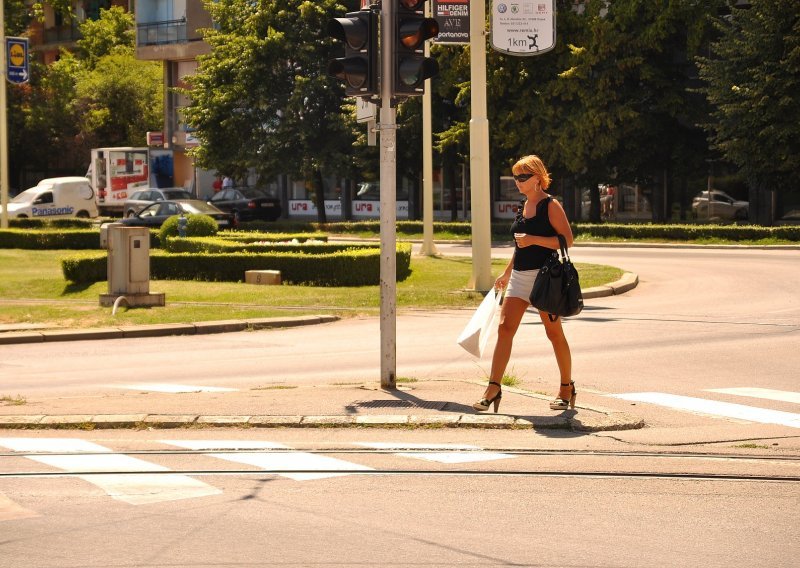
[(558, 219)]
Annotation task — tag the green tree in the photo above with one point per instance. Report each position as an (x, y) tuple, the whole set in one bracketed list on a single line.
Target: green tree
[(113, 33), (752, 80), (261, 98), (119, 100)]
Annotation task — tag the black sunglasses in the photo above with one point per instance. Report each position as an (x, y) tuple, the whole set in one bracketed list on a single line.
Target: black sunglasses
[(523, 177)]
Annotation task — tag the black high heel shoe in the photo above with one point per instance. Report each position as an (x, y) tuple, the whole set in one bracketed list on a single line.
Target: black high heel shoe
[(485, 403), (562, 403)]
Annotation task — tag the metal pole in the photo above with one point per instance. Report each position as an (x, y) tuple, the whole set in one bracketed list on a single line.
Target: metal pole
[(388, 218), (428, 246), (479, 152), (3, 122)]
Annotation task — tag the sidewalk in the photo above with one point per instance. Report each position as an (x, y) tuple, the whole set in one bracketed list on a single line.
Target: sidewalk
[(423, 404)]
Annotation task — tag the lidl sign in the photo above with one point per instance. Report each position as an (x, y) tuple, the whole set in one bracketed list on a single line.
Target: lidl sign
[(17, 60)]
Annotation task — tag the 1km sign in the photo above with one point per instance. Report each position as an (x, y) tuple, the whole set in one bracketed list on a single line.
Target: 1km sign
[(17, 60)]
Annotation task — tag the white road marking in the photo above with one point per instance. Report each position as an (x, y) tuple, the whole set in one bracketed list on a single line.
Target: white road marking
[(278, 461), (715, 408), (769, 394), (171, 388), (453, 453), (135, 489), (10, 511)]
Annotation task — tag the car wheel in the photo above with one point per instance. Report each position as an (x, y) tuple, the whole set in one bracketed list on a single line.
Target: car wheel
[(82, 214), (130, 213), (741, 215)]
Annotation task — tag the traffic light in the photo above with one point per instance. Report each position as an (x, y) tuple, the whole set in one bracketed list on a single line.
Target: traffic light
[(411, 67), (359, 66)]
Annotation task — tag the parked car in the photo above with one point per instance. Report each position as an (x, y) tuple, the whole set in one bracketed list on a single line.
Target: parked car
[(155, 214), (247, 204), (144, 197), (55, 197), (722, 205)]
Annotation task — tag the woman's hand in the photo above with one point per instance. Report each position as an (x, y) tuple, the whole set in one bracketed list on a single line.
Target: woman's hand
[(502, 281), (524, 240)]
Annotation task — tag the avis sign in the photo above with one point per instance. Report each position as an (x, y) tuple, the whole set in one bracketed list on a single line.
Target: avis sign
[(523, 27)]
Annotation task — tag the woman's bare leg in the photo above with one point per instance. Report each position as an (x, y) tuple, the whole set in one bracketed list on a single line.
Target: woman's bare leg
[(555, 333), (510, 317)]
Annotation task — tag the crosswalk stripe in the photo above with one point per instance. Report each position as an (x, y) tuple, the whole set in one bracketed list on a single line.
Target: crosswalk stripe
[(769, 394), (451, 453), (10, 511), (279, 461), (171, 388), (715, 408), (135, 489)]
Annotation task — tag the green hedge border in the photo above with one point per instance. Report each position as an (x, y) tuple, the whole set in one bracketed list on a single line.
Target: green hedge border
[(353, 267)]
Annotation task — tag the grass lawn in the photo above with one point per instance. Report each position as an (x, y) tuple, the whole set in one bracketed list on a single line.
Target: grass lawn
[(33, 290)]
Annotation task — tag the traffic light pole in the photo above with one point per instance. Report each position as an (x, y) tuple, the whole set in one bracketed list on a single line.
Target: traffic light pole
[(388, 213)]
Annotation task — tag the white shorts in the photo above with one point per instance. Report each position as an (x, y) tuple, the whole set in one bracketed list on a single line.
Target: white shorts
[(520, 285)]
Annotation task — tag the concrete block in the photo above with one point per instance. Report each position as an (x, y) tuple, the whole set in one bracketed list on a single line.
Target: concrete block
[(486, 421), (382, 420), (321, 421), (20, 421), (444, 420), (268, 277), (223, 420), (169, 420), (117, 420)]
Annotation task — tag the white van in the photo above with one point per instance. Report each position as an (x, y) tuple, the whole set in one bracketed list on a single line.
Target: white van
[(55, 197)]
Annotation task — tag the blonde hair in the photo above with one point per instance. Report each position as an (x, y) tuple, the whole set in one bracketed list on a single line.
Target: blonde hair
[(532, 165)]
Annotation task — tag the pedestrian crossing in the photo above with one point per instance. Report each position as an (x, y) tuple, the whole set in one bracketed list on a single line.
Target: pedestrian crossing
[(719, 409), (137, 481)]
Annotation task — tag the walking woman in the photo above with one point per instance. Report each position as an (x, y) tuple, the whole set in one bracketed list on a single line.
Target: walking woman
[(535, 227)]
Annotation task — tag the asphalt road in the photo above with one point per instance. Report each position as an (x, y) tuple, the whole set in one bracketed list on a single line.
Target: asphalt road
[(715, 326)]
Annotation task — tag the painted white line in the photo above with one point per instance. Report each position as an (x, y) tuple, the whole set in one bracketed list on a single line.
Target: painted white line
[(171, 388), (10, 511), (769, 394), (138, 489), (279, 461), (453, 453), (714, 408)]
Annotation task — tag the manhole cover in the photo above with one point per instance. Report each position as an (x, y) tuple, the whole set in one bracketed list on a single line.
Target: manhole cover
[(431, 405)]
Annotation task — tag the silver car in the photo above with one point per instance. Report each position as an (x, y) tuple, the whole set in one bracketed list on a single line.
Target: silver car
[(722, 206), (144, 197)]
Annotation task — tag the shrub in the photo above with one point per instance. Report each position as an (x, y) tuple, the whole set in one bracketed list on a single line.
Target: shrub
[(196, 226), (352, 267)]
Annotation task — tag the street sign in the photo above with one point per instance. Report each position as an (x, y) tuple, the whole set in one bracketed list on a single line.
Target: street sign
[(365, 110), (453, 18), (523, 27), (17, 60)]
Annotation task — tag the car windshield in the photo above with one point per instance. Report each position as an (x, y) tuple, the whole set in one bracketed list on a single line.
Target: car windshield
[(176, 194), (200, 207), (29, 195)]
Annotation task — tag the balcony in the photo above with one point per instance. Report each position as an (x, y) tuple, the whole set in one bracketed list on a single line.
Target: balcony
[(61, 34), (161, 33)]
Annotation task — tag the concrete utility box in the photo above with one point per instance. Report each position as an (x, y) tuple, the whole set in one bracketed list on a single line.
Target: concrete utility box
[(262, 276), (129, 266)]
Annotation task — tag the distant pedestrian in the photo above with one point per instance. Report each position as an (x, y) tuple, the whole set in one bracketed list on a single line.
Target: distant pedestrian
[(535, 227), (217, 185), (227, 183)]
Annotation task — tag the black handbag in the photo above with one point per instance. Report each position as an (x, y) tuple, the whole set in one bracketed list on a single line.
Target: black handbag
[(556, 289)]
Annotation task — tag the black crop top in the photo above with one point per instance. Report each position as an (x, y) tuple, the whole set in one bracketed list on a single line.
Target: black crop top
[(533, 257)]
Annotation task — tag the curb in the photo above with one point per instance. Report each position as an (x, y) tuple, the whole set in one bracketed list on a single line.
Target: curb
[(160, 330), (567, 421)]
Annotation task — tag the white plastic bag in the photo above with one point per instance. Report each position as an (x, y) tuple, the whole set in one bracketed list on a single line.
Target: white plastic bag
[(476, 335)]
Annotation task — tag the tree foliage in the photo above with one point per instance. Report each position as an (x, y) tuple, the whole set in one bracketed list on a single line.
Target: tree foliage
[(261, 98), (752, 80)]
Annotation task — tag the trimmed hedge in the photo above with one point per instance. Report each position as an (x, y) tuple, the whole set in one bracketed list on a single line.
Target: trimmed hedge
[(688, 232), (255, 236), (224, 245), (354, 267), (76, 239), (37, 223)]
